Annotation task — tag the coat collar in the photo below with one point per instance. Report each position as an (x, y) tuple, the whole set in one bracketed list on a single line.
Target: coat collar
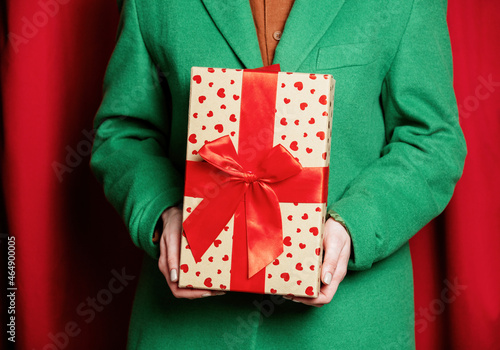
[(235, 22), (306, 24)]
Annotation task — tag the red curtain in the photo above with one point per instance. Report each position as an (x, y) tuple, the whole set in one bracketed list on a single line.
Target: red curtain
[(76, 269)]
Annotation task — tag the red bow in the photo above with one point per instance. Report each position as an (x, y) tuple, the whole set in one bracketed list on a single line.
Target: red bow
[(263, 216)]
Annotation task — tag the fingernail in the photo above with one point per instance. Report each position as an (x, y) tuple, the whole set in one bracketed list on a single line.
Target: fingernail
[(214, 294), (173, 275), (295, 301), (287, 298), (328, 278)]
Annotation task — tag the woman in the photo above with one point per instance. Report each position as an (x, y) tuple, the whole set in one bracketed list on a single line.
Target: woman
[(397, 152)]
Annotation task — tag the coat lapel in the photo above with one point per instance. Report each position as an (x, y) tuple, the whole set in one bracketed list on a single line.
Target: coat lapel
[(307, 23), (234, 20)]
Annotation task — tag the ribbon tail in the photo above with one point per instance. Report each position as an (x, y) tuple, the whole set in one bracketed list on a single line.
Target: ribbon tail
[(210, 217), (264, 227)]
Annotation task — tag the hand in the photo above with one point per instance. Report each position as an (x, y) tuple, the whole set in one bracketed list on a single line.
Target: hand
[(337, 245), (170, 246)]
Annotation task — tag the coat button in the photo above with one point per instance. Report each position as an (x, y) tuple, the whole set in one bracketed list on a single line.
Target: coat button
[(277, 35)]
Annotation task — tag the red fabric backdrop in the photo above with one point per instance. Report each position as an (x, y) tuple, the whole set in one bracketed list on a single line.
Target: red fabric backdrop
[(71, 245)]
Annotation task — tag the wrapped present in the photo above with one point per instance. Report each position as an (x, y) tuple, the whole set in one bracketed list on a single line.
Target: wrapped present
[(256, 180)]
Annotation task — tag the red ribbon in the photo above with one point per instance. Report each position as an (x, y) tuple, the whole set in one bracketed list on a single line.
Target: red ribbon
[(263, 216)]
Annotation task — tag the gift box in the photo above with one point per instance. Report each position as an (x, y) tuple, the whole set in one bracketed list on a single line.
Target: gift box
[(256, 187)]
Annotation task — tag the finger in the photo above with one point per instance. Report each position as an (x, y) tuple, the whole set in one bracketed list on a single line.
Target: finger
[(343, 260), (172, 233), (173, 242), (333, 244), (162, 261), (190, 293)]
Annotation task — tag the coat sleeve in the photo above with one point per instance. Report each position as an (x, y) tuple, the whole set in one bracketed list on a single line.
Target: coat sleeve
[(129, 152), (413, 180)]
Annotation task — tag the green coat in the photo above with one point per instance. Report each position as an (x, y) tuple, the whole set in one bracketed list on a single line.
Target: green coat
[(397, 152)]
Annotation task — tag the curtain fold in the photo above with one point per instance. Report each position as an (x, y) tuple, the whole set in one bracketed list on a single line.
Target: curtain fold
[(76, 268)]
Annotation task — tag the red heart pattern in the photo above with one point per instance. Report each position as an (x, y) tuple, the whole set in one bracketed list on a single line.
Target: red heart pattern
[(323, 100), (300, 246), (287, 241), (219, 128), (285, 276), (221, 92), (300, 97)]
